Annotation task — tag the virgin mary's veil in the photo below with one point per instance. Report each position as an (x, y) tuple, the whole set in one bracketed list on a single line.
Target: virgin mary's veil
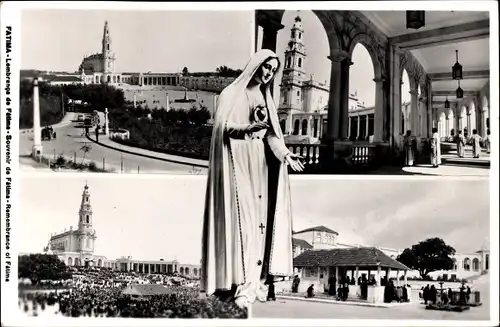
[(218, 245), (230, 94)]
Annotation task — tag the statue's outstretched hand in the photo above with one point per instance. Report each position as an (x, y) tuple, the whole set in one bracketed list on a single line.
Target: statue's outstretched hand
[(295, 162)]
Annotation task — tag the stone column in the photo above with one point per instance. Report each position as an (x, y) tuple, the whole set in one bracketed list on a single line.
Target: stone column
[(405, 280), (344, 109), (397, 278), (379, 270), (367, 126), (469, 124), (484, 128), (395, 97), (447, 127), (37, 149), (414, 112), (270, 34), (359, 125), (335, 99), (378, 120), (106, 122), (357, 276), (349, 128)]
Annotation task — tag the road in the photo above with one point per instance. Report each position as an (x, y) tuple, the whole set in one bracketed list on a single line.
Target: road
[(70, 140)]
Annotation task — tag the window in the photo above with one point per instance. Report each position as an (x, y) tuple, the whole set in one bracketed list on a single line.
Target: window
[(88, 220), (300, 62), (107, 46), (87, 199), (298, 93)]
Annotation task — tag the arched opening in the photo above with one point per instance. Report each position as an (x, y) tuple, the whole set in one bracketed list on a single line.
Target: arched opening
[(186, 271), (442, 125), (313, 67), (462, 123), (455, 266), (99, 263), (77, 261), (283, 125), (420, 122), (405, 102), (296, 127), (181, 270), (304, 127), (475, 264), (467, 264), (472, 118), (195, 272), (361, 94), (70, 261), (451, 124), (485, 117)]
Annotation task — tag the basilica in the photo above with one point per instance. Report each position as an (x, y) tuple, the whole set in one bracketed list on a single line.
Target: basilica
[(75, 247), (303, 105), (100, 68)]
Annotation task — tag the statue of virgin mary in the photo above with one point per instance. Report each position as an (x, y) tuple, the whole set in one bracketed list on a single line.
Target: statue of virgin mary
[(247, 228)]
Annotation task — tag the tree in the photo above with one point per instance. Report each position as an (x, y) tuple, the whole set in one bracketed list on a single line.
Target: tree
[(38, 267), (427, 256)]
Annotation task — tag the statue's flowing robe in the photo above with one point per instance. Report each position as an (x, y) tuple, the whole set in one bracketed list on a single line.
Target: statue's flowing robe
[(235, 250)]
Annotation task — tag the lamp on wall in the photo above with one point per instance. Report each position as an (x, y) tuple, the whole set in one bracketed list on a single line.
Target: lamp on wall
[(460, 92), (457, 69), (447, 103), (415, 19)]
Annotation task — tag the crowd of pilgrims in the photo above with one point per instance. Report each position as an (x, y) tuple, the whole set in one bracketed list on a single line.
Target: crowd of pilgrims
[(430, 295), (460, 139), (340, 290), (98, 293)]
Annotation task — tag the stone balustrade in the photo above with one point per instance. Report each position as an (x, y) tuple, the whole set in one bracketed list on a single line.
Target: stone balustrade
[(360, 156)]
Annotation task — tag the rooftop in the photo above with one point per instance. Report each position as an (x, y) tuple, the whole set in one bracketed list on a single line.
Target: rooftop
[(361, 257), (318, 229), (303, 244)]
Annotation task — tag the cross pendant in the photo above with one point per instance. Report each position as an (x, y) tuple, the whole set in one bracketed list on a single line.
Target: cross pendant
[(261, 226)]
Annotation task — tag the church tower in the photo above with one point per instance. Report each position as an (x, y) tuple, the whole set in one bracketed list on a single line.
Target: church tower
[(293, 74), (86, 235), (108, 57)]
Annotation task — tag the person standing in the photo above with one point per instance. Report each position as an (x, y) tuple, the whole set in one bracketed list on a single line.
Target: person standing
[(460, 145), (408, 149), (476, 144), (435, 148), (247, 225), (487, 141)]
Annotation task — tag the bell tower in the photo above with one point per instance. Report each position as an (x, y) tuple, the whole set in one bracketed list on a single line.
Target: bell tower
[(294, 74), (108, 57), (86, 235)]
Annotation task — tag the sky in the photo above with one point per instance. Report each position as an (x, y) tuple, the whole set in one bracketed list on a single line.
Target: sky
[(157, 41), (160, 217), (316, 63)]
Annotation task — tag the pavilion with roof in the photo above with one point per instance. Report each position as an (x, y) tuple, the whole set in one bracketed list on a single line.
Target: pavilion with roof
[(317, 266)]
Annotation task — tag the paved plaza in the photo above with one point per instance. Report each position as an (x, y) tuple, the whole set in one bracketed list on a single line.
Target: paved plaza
[(307, 309)]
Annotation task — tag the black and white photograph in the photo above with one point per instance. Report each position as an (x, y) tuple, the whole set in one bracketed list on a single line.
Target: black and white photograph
[(125, 91), (355, 92), (373, 249), (249, 163)]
